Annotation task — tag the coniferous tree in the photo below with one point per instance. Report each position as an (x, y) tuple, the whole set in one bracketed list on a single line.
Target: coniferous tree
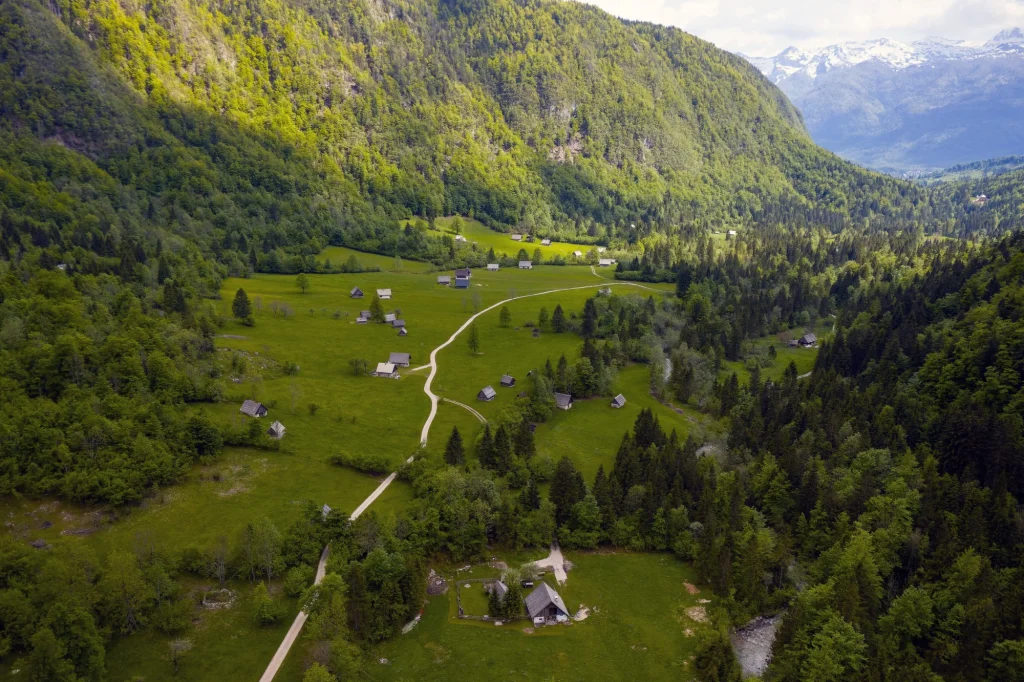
[(473, 341), (485, 452), (525, 446), (589, 325), (558, 319), (376, 309), (505, 318), (240, 307), (454, 454), (567, 488), (503, 450)]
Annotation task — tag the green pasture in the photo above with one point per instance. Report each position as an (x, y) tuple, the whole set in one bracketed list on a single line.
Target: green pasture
[(339, 255), (485, 238), (803, 357), (638, 627)]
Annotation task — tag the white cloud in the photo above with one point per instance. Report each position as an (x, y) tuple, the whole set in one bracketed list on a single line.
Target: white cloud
[(765, 27)]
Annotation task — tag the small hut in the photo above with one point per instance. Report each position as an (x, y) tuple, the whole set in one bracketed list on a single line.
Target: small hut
[(253, 409), (618, 401), (276, 431), (486, 394), (356, 293)]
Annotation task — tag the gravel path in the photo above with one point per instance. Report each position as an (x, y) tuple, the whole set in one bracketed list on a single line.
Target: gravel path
[(556, 562), (476, 414)]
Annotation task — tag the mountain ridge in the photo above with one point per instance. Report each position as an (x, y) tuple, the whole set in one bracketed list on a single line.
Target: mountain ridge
[(909, 108)]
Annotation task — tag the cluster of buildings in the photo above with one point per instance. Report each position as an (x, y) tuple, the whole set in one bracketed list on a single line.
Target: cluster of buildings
[(389, 319), (544, 605), (251, 408)]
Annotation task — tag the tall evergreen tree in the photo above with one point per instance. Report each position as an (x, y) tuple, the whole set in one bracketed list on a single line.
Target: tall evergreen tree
[(454, 454), (558, 319), (240, 307)]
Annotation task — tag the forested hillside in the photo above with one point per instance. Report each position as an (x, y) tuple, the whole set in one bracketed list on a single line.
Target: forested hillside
[(252, 127)]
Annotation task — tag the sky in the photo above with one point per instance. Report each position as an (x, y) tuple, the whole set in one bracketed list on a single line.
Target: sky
[(763, 28)]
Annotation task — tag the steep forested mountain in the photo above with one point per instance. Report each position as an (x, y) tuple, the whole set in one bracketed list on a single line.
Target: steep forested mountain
[(288, 123)]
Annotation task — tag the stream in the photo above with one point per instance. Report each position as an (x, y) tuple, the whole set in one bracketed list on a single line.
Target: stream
[(753, 644)]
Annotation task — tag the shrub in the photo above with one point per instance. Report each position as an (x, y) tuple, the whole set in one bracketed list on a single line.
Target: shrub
[(370, 464)]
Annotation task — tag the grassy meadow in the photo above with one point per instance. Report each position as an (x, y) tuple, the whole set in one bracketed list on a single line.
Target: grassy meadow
[(485, 238), (641, 620)]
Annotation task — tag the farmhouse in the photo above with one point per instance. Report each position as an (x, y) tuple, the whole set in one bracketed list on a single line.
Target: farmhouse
[(808, 339), (276, 430), (508, 381), (384, 294), (253, 409), (389, 318), (444, 280), (360, 320), (386, 369), (517, 237), (459, 238), (492, 267), (618, 401), (462, 282), (356, 293), (545, 606), (605, 262), (486, 394), (402, 331), (545, 242), (398, 323), (400, 359), (563, 401), (525, 265), (462, 272), (578, 254)]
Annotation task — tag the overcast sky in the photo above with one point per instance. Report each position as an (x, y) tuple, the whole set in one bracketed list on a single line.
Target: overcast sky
[(765, 27)]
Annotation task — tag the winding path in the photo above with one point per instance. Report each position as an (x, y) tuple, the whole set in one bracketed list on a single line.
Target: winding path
[(300, 620), (482, 419)]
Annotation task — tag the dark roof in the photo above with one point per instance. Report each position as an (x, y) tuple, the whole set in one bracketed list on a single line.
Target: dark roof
[(619, 400), (541, 598), (500, 588), (399, 358), (808, 338), (402, 332), (356, 291), (398, 323), (462, 272), (486, 392), (563, 399), (508, 380), (253, 408)]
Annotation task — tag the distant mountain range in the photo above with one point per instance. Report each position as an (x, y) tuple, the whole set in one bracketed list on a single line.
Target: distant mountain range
[(909, 108)]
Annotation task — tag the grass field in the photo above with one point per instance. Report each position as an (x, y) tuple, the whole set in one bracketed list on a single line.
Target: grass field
[(803, 357), (485, 238), (638, 628)]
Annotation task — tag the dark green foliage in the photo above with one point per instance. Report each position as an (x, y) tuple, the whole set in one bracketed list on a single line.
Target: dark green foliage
[(454, 453), (240, 307), (715, 662), (558, 320)]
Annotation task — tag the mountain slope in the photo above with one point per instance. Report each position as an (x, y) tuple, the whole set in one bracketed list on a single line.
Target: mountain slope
[(911, 107), (285, 124)]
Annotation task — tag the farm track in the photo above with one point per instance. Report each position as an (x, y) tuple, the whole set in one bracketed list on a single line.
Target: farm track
[(300, 619)]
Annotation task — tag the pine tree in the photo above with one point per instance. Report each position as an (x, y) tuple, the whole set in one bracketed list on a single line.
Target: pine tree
[(474, 340), (502, 460), (524, 443), (491, 257), (589, 326), (485, 452), (505, 319), (567, 489), (240, 307), (558, 319), (530, 497), (454, 454), (542, 318), (494, 605)]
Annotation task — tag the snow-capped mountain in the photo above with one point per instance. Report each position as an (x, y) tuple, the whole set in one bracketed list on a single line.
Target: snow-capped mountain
[(907, 107)]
